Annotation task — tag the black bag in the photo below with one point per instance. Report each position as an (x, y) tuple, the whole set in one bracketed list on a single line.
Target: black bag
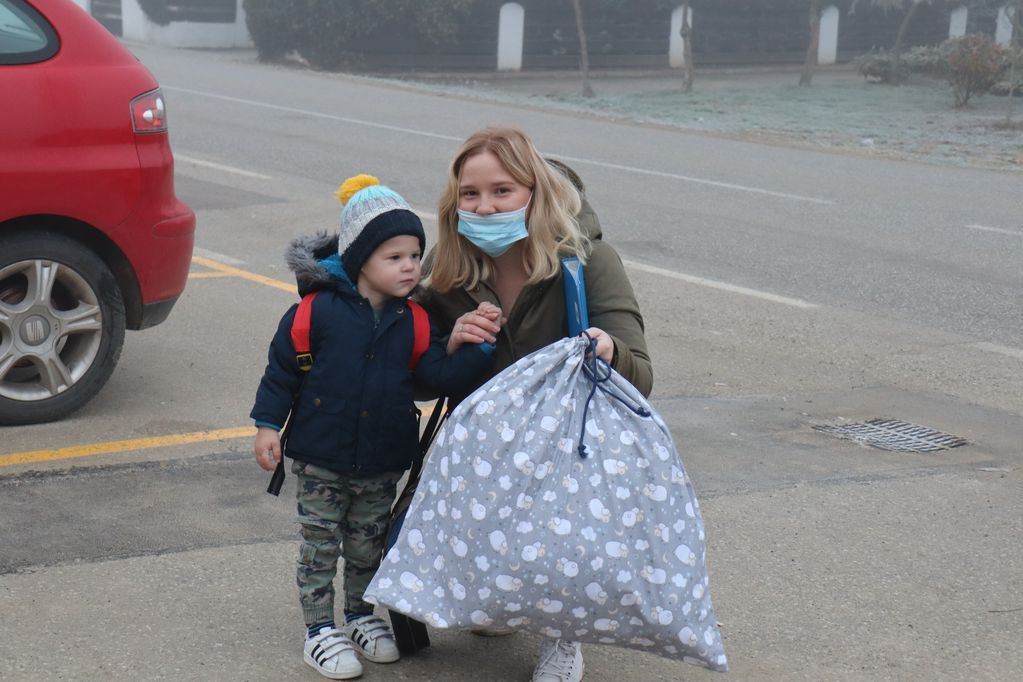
[(410, 634)]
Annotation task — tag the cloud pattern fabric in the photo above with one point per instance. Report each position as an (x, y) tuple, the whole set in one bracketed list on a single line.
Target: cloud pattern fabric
[(511, 527)]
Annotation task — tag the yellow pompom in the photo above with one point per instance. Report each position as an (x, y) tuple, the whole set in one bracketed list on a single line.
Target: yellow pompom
[(352, 185)]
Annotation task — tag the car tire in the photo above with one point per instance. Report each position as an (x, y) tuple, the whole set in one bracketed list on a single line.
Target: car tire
[(62, 325)]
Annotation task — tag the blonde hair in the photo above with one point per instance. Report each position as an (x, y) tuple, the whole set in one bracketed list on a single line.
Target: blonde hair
[(553, 229)]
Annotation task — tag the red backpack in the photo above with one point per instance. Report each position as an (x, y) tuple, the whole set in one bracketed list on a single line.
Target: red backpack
[(303, 321)]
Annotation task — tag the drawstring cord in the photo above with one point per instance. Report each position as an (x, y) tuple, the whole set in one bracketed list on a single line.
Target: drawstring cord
[(598, 371)]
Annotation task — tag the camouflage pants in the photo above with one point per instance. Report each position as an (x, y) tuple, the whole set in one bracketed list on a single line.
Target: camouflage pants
[(346, 516)]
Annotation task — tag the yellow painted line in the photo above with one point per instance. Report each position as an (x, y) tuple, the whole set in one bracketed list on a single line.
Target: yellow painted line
[(244, 274), (125, 445), (208, 275)]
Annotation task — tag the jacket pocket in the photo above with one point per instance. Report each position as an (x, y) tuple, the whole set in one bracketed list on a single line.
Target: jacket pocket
[(320, 428)]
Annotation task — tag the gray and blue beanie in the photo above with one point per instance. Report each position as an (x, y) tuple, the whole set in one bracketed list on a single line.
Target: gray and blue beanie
[(372, 214)]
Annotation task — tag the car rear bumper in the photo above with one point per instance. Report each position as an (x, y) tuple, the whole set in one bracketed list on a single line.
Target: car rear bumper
[(163, 257), (156, 312)]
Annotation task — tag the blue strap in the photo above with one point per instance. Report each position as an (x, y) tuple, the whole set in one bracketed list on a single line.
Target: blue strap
[(575, 296)]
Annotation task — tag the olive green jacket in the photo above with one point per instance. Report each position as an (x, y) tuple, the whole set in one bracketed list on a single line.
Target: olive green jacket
[(538, 317)]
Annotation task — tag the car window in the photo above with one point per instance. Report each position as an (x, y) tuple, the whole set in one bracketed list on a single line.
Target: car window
[(25, 36)]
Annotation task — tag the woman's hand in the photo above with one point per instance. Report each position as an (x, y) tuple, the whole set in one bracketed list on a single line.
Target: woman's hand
[(267, 448), (605, 344), (478, 326)]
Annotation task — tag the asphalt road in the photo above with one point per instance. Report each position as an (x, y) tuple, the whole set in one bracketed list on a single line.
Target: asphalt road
[(782, 289)]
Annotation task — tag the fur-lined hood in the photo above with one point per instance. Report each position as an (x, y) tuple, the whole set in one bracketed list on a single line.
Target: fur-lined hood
[(316, 264)]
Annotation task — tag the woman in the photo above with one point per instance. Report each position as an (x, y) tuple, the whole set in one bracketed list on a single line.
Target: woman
[(506, 218)]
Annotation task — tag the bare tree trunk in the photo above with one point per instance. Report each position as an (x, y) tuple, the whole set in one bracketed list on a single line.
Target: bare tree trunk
[(897, 48), (687, 49), (810, 63), (1017, 39), (584, 56)]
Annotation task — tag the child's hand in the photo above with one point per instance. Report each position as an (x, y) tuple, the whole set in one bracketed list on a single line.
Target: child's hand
[(605, 344), (478, 326), (267, 448), (491, 312)]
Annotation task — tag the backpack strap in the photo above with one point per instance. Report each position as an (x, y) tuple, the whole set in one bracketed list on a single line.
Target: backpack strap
[(300, 327), (421, 327), (576, 311)]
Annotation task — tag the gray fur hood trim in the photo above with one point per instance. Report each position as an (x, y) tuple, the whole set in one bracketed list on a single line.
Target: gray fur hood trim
[(304, 255)]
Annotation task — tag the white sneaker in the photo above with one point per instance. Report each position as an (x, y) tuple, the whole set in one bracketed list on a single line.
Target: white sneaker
[(560, 661), (373, 638), (331, 653)]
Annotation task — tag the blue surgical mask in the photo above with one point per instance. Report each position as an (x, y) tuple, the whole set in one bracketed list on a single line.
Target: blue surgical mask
[(493, 234)]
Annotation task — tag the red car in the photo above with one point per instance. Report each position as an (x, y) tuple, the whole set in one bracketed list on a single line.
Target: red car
[(93, 239)]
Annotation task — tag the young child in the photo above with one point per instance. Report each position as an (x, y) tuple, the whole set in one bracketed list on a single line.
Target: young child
[(354, 426)]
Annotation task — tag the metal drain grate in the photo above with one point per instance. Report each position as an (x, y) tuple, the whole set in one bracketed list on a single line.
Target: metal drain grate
[(892, 434)]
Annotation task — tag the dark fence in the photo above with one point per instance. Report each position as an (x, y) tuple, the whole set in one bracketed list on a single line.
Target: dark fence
[(868, 29), (734, 32), (108, 13), (633, 33), (203, 11)]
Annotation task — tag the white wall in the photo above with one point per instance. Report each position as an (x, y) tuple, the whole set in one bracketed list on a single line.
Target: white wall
[(137, 26)]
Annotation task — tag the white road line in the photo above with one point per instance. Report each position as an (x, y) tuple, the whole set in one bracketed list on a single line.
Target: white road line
[(314, 114), (999, 230), (220, 257), (1002, 350), (700, 181), (220, 167), (437, 136), (724, 286)]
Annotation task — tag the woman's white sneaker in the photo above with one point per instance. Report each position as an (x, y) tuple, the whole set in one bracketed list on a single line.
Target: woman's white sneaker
[(332, 654), (373, 638), (560, 661)]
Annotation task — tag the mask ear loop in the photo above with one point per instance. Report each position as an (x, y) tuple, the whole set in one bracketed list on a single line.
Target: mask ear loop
[(599, 373)]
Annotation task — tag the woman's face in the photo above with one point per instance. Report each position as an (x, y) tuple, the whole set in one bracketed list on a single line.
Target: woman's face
[(485, 187)]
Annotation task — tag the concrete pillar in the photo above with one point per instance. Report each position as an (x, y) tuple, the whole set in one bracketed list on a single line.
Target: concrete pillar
[(511, 22), (241, 36), (827, 48), (1003, 29), (957, 23), (676, 44)]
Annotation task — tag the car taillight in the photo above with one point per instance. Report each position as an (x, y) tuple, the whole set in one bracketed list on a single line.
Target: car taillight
[(149, 113)]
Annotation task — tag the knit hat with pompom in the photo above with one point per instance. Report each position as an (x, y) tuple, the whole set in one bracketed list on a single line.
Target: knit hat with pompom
[(372, 213)]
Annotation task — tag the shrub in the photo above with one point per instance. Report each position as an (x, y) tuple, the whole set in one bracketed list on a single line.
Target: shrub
[(928, 60), (1003, 86), (275, 26), (974, 64)]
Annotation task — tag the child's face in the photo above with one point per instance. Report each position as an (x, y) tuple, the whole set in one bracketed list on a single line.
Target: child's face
[(485, 187), (393, 270)]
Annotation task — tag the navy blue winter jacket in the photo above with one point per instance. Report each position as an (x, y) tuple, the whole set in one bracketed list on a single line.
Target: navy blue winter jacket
[(354, 411)]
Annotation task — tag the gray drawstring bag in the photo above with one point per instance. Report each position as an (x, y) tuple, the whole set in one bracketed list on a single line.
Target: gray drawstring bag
[(554, 501)]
